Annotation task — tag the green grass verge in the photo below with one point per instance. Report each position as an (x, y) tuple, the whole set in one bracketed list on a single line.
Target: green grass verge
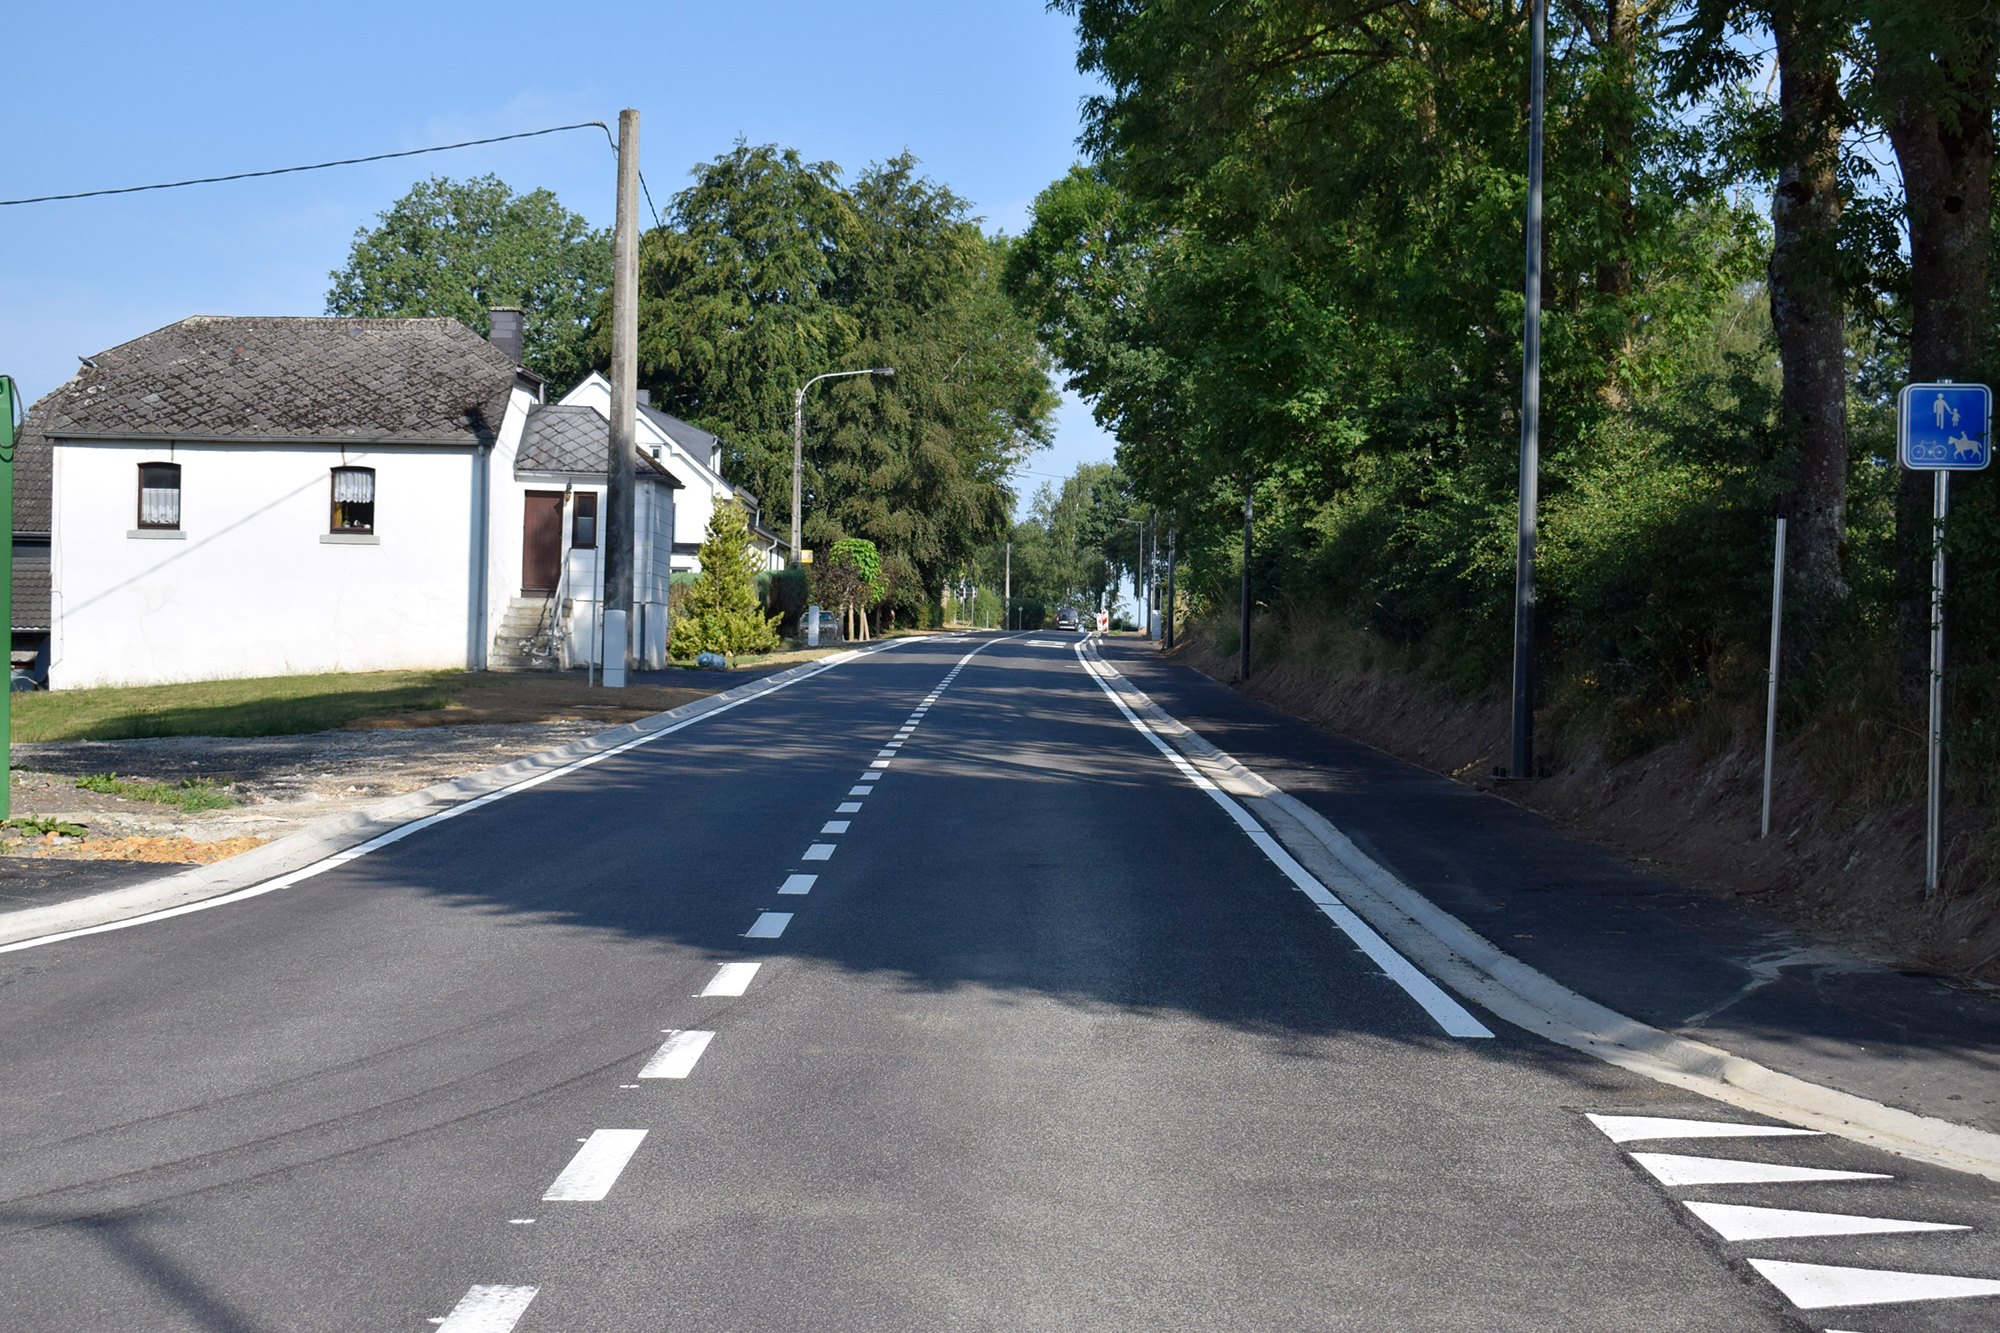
[(267, 706), (190, 794)]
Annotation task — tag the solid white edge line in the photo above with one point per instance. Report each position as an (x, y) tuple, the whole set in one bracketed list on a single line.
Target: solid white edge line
[(394, 835), (596, 1166), (1448, 1013)]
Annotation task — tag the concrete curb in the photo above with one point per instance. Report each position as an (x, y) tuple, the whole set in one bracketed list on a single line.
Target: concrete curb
[(329, 837), (1462, 959)]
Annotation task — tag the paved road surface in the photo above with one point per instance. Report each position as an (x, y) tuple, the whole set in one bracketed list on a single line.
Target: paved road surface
[(783, 1023)]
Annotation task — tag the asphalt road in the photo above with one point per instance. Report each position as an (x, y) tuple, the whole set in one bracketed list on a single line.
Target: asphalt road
[(1046, 1042)]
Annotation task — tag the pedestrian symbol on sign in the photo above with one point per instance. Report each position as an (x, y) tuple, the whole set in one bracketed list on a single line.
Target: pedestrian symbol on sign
[(1945, 427)]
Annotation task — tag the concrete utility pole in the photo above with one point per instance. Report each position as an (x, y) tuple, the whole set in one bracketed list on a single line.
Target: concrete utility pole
[(618, 518), (1172, 533), (1007, 586)]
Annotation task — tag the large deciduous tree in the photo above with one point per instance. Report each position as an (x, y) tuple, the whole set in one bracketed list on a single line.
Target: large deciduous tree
[(772, 270), (459, 248)]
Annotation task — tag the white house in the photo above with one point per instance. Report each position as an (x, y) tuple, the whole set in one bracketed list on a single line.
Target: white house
[(230, 497), (695, 457)]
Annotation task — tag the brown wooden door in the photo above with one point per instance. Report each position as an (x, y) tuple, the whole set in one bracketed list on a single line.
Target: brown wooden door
[(541, 544)]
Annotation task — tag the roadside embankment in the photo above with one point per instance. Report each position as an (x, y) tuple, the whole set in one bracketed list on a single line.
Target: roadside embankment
[(1836, 864)]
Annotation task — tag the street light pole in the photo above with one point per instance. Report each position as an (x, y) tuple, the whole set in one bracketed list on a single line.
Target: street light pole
[(1522, 758), (799, 443)]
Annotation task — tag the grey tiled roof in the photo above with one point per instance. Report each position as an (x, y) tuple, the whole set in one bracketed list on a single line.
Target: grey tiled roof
[(575, 439), (31, 595), (694, 439), (33, 476), (222, 378)]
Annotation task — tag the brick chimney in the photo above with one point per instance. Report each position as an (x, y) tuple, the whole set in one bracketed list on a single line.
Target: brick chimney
[(509, 326)]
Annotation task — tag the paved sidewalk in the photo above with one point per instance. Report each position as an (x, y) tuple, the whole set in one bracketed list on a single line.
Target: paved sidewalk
[(1688, 962)]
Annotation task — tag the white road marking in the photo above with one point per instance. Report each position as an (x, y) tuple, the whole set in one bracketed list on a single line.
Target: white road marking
[(859, 791), (798, 884), (1741, 1222), (888, 753), (596, 1166), (518, 1222), (731, 979), (1448, 1013), (768, 926), (488, 1310), (1674, 1169), (879, 763), (835, 826), (871, 777), (1630, 1128), (676, 1056), (819, 851), (1817, 1286), (397, 834), (848, 808)]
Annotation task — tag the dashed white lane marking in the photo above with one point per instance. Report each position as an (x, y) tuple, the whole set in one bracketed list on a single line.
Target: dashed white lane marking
[(879, 763), (397, 834), (488, 1310), (835, 826), (847, 808), (885, 754), (1742, 1222), (596, 1166), (872, 777), (677, 1055), (798, 884), (1631, 1128), (1448, 1013), (819, 851), (1818, 1286), (859, 791), (731, 979), (768, 926), (1674, 1169)]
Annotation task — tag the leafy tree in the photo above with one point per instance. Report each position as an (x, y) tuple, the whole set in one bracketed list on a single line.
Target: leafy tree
[(771, 271), (721, 612), (458, 248)]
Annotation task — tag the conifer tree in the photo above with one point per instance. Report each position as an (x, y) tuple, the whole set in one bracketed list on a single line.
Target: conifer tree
[(722, 613)]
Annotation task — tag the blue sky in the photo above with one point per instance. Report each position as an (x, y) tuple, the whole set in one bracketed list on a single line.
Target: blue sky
[(986, 94)]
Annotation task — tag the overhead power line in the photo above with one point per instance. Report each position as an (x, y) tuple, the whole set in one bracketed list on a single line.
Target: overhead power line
[(342, 162)]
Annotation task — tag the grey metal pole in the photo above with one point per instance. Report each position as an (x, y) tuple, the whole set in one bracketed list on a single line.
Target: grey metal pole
[(1007, 586), (799, 443), (1771, 702), (798, 461), (618, 535), (1243, 663), (1169, 627), (1934, 802), (1522, 759)]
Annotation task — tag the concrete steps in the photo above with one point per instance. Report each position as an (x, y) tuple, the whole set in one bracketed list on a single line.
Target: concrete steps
[(527, 636)]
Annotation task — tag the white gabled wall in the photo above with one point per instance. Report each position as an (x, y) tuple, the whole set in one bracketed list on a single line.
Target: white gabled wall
[(250, 589), (694, 505)]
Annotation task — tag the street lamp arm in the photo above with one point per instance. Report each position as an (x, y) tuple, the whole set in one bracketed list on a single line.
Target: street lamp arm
[(799, 441)]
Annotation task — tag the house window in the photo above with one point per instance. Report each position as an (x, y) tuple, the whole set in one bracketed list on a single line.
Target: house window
[(160, 495), (583, 528), (354, 499)]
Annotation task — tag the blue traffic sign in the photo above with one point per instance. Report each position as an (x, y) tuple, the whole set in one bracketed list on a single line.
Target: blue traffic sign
[(1945, 427)]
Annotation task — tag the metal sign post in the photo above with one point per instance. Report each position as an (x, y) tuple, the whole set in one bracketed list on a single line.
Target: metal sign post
[(1777, 641), (1941, 428)]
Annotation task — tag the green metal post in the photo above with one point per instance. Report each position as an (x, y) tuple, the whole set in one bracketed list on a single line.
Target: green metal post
[(9, 398)]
